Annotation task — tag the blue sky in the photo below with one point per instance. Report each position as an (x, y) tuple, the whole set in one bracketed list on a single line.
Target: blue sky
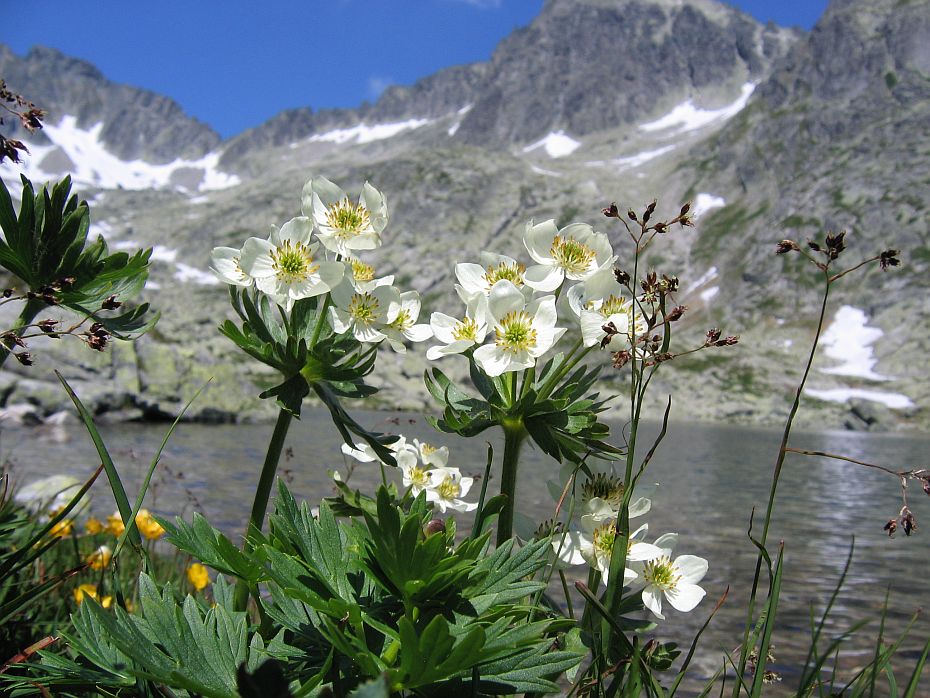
[(237, 63)]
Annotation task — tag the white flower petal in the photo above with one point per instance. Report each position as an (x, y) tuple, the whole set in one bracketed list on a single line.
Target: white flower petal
[(652, 599), (684, 597), (544, 278), (492, 359), (692, 567)]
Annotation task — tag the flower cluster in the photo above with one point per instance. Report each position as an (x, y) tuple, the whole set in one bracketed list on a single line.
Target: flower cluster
[(649, 565), (515, 306), (316, 253), (425, 469)]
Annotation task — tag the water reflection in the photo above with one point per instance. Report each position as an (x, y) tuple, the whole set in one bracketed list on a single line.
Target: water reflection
[(711, 479)]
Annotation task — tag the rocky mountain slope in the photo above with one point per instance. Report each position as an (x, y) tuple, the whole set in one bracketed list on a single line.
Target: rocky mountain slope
[(771, 132)]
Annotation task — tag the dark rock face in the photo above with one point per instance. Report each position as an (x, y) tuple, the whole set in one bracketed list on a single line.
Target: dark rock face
[(587, 66), (137, 124)]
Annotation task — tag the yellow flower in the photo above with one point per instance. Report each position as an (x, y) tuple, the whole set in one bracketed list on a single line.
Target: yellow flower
[(93, 526), (198, 576), (100, 558), (63, 528), (148, 526), (90, 590), (115, 525)]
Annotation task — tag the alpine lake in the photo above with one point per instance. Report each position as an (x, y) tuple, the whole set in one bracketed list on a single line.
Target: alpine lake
[(710, 477)]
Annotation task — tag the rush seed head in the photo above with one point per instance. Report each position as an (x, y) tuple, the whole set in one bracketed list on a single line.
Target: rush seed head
[(515, 332), (572, 256), (292, 262)]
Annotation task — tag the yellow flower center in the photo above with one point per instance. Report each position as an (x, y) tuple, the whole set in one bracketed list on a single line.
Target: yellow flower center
[(348, 219), (428, 449), (661, 573), (573, 256), (403, 320), (510, 271), (418, 476), (609, 488), (515, 332), (363, 308), (449, 488), (292, 262), (465, 329), (603, 539), (613, 305), (362, 271)]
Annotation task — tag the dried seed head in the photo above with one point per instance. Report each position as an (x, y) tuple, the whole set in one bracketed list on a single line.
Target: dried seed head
[(889, 258), (110, 303), (814, 246), (713, 334), (684, 209), (835, 244), (24, 357), (891, 527), (621, 358), (611, 211), (676, 313), (786, 246), (622, 277), (650, 209)]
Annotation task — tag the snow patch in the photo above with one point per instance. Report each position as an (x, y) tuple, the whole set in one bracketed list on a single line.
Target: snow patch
[(848, 339), (363, 133), (631, 161), (453, 129), (687, 117), (704, 278), (187, 273), (704, 202), (892, 400), (547, 173), (160, 253), (91, 164), (709, 293), (556, 145)]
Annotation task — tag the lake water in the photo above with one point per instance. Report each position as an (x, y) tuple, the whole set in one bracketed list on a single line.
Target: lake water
[(710, 479)]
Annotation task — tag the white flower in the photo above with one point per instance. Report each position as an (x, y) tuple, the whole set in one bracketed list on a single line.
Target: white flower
[(593, 544), (362, 276), (417, 477), (458, 335), (364, 314), (344, 226), (522, 332), (574, 252), (431, 455), (284, 266), (480, 278), (446, 489), (602, 489), (676, 579), (598, 302), (226, 266), (400, 322), (364, 453)]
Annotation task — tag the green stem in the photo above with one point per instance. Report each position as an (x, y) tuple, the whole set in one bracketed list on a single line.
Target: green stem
[(28, 314), (262, 494), (776, 474), (514, 434), (321, 319)]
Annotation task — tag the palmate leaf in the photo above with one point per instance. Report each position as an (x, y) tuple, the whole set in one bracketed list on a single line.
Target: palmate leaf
[(435, 654), (181, 646), (209, 545)]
